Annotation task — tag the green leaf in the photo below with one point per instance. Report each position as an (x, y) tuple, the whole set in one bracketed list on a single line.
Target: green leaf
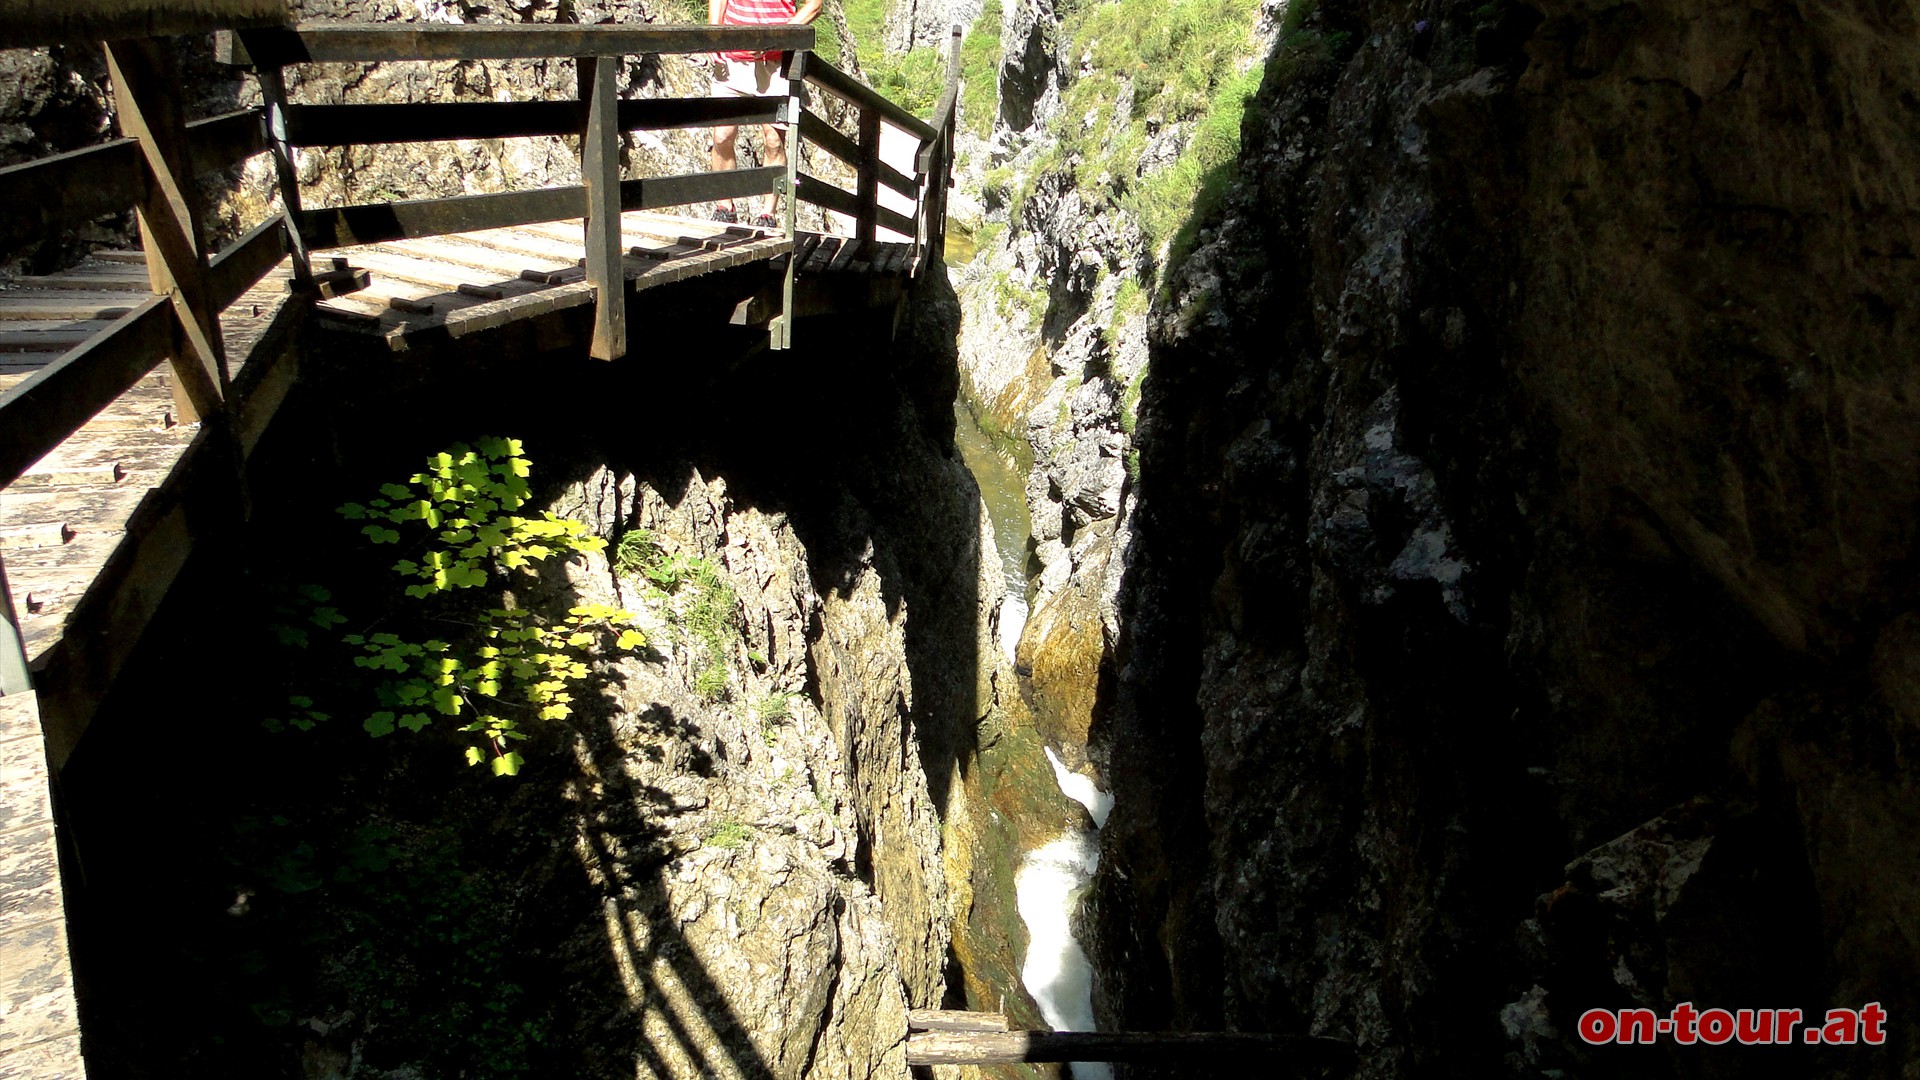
[(380, 723), (300, 701), (353, 512), (414, 721), (394, 491), (381, 535), (630, 639), (475, 755), (508, 765)]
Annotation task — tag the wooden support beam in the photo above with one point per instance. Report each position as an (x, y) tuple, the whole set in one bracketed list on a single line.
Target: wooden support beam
[(1198, 1049), (273, 90), (237, 269), (146, 96), (360, 43), (867, 189), (219, 143), (600, 169), (27, 23), (369, 125)]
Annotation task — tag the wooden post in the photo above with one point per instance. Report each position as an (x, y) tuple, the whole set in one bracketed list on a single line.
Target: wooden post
[(600, 172), (795, 70), (273, 91), (146, 95), (869, 176), (14, 678)]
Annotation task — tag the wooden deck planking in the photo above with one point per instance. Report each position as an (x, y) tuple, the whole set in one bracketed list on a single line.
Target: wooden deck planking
[(93, 481), (480, 280)]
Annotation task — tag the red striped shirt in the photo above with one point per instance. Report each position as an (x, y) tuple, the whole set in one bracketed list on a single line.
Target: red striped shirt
[(756, 13)]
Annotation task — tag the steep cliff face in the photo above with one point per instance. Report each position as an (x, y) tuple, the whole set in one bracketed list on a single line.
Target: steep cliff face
[(1520, 606)]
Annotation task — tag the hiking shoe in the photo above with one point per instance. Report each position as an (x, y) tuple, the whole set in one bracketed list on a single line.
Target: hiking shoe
[(766, 221), (725, 215)]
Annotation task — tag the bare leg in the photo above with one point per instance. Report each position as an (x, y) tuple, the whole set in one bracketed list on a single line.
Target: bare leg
[(724, 157), (777, 158)]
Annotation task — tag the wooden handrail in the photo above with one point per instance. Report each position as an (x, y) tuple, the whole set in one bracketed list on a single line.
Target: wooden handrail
[(366, 125), (373, 223), (369, 43), (844, 86), (52, 403), (943, 113), (61, 191)]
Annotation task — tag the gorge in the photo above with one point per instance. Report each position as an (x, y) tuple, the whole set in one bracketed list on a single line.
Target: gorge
[(1394, 523)]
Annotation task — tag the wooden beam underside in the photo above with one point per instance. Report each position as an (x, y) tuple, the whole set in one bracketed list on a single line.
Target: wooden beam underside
[(26, 23)]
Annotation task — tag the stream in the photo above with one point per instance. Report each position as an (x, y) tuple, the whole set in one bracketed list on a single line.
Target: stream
[(1053, 877)]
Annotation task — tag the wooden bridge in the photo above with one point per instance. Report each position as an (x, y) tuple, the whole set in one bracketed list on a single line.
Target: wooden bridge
[(135, 385)]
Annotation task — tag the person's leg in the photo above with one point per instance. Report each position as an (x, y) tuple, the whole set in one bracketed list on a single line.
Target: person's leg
[(777, 157), (724, 153)]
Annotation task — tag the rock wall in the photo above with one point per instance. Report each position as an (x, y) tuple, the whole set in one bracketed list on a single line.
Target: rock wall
[(1519, 618)]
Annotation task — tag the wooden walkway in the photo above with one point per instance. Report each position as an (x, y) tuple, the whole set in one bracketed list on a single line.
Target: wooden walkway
[(108, 474), (469, 282)]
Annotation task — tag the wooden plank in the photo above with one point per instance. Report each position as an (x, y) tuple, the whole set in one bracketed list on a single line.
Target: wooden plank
[(820, 193), (894, 220), (36, 534), (842, 85), (365, 43), (823, 256), (89, 23), (89, 279), (364, 125), (600, 169), (1192, 1048), (850, 252), (27, 304), (375, 223), (51, 194), (484, 253), (51, 337), (41, 412), (241, 266), (815, 131), (218, 143), (899, 181), (662, 191), (137, 258), (955, 1020)]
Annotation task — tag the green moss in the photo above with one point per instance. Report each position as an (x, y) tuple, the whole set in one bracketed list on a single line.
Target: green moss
[(729, 834)]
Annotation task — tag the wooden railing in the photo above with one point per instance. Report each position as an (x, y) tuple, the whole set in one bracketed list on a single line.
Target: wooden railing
[(153, 169), (932, 162)]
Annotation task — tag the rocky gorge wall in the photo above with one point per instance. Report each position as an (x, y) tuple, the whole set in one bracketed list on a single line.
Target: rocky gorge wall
[(1519, 614)]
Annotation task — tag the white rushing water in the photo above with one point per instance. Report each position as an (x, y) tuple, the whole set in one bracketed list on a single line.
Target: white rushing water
[(1081, 789), (1013, 620), (1048, 889), (1056, 971)]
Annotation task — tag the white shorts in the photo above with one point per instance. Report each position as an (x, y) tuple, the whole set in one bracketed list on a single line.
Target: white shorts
[(751, 78)]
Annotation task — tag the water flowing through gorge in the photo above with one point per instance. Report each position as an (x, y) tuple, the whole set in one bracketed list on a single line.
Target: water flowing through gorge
[(1053, 876)]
